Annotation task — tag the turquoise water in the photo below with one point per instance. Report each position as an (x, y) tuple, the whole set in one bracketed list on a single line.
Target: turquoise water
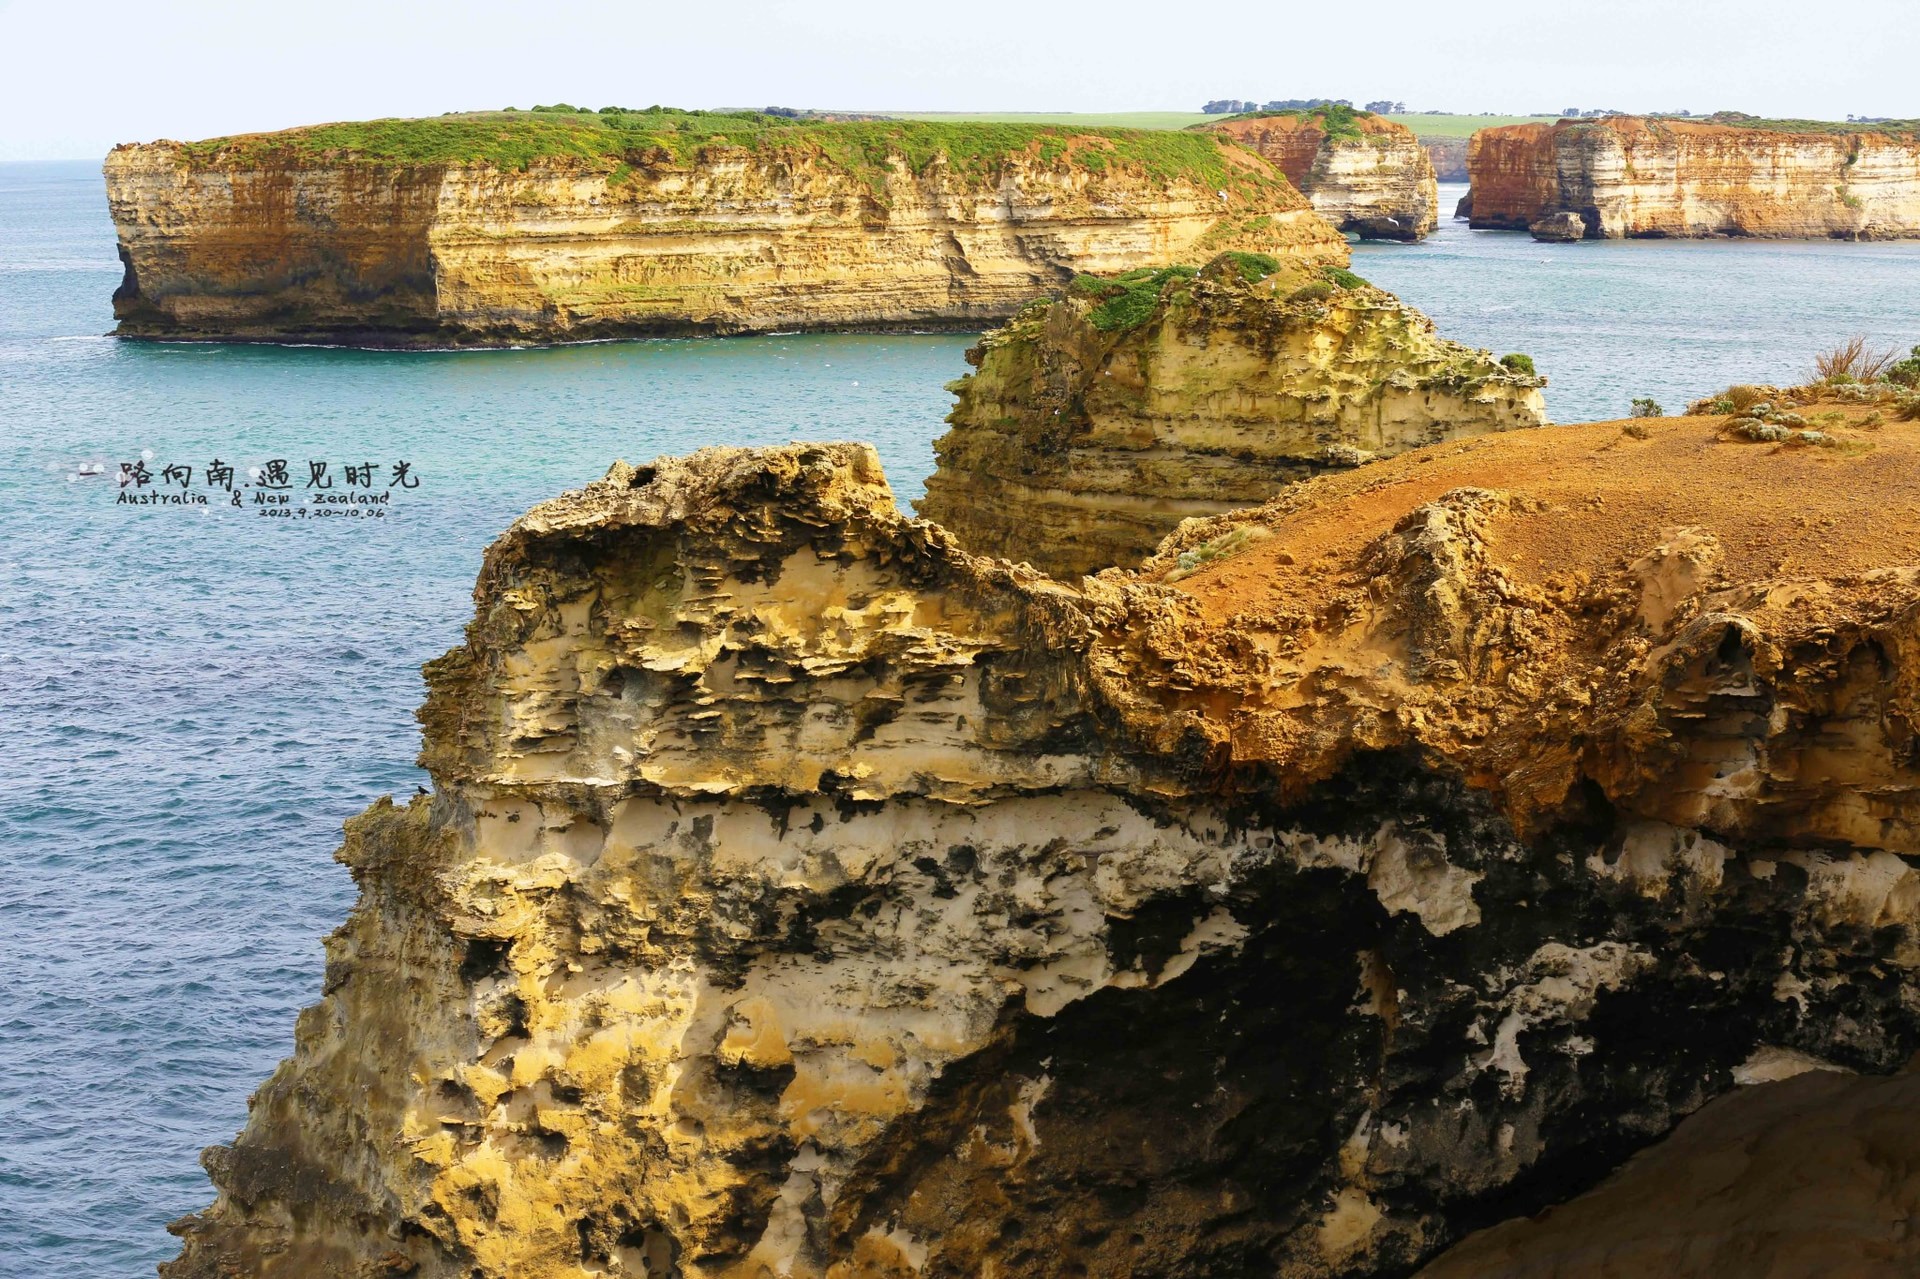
[(195, 698), (1610, 320)]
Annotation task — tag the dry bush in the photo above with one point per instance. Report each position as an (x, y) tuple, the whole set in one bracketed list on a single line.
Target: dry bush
[(1735, 399), (1854, 360)]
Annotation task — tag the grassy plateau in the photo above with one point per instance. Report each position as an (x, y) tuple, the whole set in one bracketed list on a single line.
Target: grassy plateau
[(1427, 126), (618, 141)]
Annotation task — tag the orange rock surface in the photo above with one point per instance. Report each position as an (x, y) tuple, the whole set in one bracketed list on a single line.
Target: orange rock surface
[(801, 894)]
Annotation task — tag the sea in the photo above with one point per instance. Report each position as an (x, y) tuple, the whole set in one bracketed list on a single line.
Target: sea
[(194, 697)]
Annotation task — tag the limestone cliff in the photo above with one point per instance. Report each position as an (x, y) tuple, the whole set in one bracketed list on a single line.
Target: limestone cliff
[(1363, 173), (1096, 423), (1448, 157), (509, 229), (1625, 177), (800, 895)]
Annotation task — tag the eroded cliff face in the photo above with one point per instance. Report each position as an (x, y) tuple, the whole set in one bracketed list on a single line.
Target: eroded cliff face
[(1628, 177), (1376, 182), (1448, 157), (801, 895), (1090, 430), (254, 243)]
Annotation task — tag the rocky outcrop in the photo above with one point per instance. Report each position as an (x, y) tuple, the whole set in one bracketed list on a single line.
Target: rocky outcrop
[(1096, 423), (802, 895), (308, 237), (1625, 177), (1448, 157), (1363, 173), (1561, 228)]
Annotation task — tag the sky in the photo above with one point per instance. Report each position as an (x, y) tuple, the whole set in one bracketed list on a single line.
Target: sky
[(78, 76)]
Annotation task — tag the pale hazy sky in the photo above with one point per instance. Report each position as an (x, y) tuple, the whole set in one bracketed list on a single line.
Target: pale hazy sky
[(76, 77)]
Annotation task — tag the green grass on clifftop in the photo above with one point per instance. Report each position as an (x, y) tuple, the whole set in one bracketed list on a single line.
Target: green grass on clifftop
[(1073, 119), (1738, 120), (1126, 301), (1427, 126), (607, 140), (1462, 126), (1336, 121)]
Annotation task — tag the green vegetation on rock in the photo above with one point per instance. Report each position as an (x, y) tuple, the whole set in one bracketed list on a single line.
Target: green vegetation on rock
[(1518, 363), (1740, 120), (1253, 267), (1341, 123), (1072, 119), (1127, 300), (618, 142)]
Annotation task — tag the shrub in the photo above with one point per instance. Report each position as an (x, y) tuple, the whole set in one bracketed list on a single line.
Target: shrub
[(1644, 407), (1343, 277), (1855, 392), (1905, 372), (1635, 431), (1752, 428), (1318, 291), (1219, 548), (1854, 360), (1518, 363)]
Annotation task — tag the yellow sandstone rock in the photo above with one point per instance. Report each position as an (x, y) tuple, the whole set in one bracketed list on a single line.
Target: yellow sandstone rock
[(803, 896), (301, 236), (1098, 422), (1365, 174), (1625, 177)]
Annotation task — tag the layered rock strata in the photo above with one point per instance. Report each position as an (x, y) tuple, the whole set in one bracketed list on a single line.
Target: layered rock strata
[(1626, 177), (801, 895), (1096, 423), (278, 238), (1368, 176)]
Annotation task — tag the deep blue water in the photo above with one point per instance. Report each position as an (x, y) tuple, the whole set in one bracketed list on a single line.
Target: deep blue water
[(194, 699)]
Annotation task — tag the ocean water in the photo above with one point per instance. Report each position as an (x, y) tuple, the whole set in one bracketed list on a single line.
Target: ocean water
[(1608, 321), (194, 698)]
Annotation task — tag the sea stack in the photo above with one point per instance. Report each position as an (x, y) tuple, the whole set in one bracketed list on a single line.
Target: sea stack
[(1365, 174), (1624, 177), (1094, 424), (551, 226)]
